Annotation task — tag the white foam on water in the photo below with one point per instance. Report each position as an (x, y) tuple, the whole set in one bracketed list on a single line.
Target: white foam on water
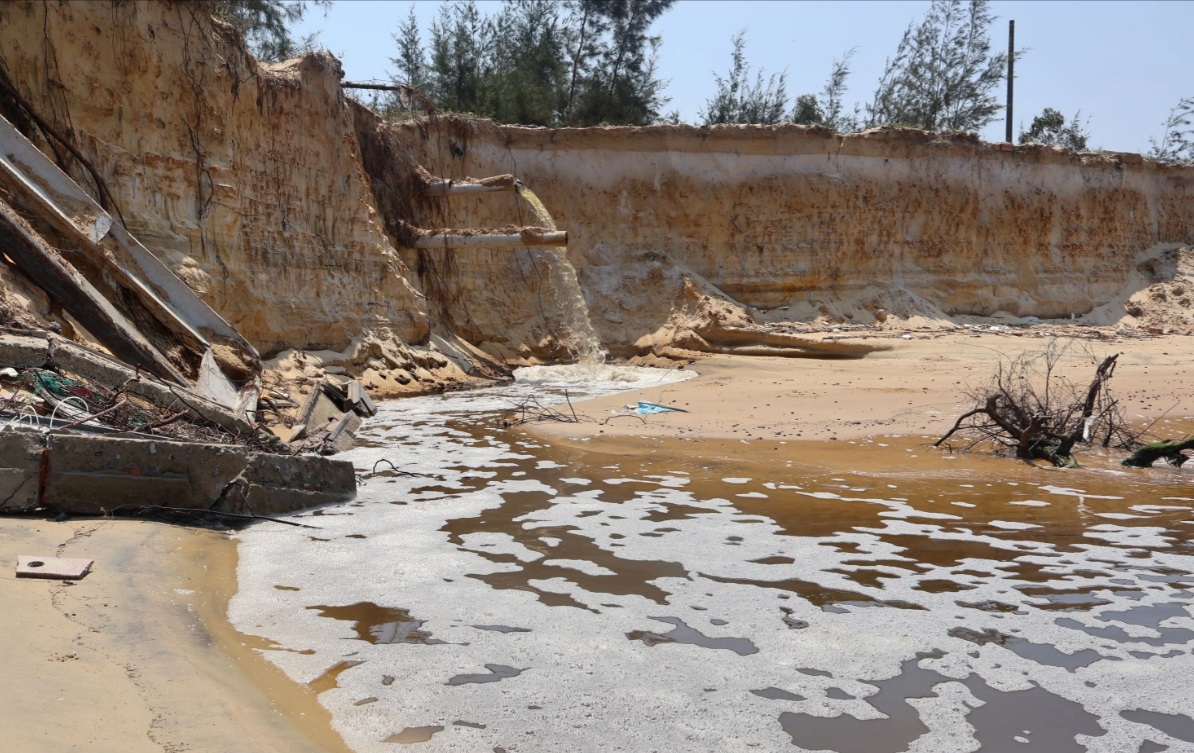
[(648, 631)]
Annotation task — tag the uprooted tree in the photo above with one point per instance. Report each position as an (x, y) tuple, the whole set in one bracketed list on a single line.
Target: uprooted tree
[(1028, 407)]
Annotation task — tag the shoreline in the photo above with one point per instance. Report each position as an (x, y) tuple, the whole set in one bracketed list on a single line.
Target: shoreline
[(139, 654), (916, 388)]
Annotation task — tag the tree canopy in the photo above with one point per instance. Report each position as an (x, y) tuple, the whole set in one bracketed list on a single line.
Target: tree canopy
[(266, 25), (943, 75), (539, 62), (1051, 129), (739, 100)]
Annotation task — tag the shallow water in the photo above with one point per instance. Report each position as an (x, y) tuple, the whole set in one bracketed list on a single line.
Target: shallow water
[(874, 596)]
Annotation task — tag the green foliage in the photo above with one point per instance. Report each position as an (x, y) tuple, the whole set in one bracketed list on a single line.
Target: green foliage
[(538, 62), (622, 85), (832, 97), (411, 61), (265, 25), (1177, 142), (1050, 128), (943, 75), (807, 111), (738, 100), (828, 108)]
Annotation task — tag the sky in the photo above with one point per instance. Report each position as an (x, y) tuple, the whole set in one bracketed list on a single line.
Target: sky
[(1124, 65)]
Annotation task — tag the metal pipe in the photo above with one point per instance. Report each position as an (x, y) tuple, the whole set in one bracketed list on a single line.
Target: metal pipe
[(1011, 75), (498, 183), (474, 239)]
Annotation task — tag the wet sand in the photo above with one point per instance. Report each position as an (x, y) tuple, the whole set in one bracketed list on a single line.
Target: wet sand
[(138, 655), (724, 593)]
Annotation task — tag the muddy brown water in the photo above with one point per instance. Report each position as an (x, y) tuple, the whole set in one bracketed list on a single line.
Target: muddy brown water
[(866, 596)]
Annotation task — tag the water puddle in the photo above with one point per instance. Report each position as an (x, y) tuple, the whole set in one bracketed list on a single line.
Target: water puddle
[(497, 672), (772, 596), (377, 624), (412, 735), (682, 633)]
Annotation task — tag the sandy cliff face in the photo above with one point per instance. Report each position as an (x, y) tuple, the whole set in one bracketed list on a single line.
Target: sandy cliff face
[(245, 178), (813, 224), (283, 204)]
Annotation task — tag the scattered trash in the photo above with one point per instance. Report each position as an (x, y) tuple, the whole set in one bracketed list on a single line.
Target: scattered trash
[(53, 568), (649, 409)]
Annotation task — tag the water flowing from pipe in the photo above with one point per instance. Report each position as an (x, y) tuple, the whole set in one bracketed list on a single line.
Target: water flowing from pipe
[(570, 304)]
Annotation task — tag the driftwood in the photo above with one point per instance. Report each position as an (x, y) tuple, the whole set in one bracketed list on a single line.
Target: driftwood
[(1026, 407), (1171, 450)]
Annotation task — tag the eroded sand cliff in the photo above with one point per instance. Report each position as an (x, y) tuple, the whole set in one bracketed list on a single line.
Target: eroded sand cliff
[(288, 207), (805, 224)]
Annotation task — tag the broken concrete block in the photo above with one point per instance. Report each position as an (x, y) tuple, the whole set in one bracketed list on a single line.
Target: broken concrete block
[(358, 400), (57, 568), (24, 352), (341, 436), (368, 407), (317, 413), (285, 483), (20, 466), (97, 475)]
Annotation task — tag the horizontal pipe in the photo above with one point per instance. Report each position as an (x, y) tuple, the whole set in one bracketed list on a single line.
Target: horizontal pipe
[(496, 184), (510, 240)]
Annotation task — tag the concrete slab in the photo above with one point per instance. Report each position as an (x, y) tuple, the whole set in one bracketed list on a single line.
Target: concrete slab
[(282, 483), (55, 568), (24, 351), (93, 475), (96, 475), (20, 465)]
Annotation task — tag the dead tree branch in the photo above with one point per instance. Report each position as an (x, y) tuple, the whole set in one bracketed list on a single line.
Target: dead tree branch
[(1028, 407)]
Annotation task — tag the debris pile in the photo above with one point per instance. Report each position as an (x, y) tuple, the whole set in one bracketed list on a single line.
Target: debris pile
[(330, 417)]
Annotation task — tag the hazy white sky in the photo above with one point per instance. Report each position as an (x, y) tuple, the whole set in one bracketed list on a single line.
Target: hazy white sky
[(1123, 64)]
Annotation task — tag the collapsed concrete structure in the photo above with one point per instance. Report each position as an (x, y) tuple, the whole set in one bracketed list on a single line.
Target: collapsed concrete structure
[(330, 243)]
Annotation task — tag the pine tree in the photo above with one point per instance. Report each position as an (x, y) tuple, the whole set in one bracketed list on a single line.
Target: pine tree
[(265, 25), (943, 75), (738, 100), (1050, 128)]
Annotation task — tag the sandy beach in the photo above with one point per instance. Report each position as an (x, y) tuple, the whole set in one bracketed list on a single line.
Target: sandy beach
[(139, 655), (916, 388)]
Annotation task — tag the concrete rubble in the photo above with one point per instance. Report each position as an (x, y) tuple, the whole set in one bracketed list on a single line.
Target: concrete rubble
[(166, 420)]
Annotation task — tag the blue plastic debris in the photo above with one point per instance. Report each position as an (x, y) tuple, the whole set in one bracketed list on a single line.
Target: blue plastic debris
[(648, 409)]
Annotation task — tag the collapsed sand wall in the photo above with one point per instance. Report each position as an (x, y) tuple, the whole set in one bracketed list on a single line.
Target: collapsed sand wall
[(800, 219), (245, 178)]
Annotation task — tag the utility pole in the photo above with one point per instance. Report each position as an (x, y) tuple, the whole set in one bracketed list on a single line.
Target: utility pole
[(1011, 74)]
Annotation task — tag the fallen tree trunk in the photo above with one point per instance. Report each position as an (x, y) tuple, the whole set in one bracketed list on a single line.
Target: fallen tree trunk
[(1170, 450)]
